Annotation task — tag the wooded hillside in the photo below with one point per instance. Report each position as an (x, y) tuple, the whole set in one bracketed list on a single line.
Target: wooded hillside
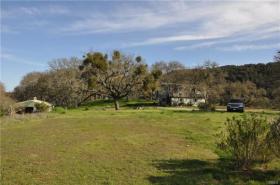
[(266, 76)]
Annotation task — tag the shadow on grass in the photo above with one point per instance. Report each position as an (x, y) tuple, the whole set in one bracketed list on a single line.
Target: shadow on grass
[(197, 172)]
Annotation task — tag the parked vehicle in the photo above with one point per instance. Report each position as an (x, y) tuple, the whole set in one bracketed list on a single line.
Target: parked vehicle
[(235, 105)]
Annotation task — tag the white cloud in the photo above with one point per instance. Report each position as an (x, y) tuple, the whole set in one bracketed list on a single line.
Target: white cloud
[(21, 18), (160, 40), (33, 11), (19, 11), (58, 10), (265, 34), (239, 19), (250, 47), (196, 46), (29, 10), (203, 20), (243, 16), (7, 29), (12, 58), (126, 18), (165, 21)]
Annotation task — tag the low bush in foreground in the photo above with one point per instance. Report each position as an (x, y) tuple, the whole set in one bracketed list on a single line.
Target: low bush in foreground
[(274, 137), (249, 139)]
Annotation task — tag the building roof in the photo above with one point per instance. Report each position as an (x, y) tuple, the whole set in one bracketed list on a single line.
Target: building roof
[(31, 103)]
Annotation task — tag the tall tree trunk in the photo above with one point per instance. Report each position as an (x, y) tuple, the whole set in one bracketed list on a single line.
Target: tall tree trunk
[(116, 103)]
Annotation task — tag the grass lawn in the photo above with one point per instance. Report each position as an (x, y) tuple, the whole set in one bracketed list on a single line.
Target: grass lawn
[(103, 146)]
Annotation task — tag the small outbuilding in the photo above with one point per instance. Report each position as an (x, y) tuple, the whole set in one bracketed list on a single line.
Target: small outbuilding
[(32, 106)]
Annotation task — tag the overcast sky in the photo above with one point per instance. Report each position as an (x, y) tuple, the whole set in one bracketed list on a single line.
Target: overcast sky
[(228, 32)]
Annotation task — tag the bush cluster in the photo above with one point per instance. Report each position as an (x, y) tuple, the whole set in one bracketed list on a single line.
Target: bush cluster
[(274, 137), (59, 110), (6, 105), (250, 139)]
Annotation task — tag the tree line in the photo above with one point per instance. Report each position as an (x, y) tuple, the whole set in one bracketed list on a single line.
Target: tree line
[(69, 82), (257, 84)]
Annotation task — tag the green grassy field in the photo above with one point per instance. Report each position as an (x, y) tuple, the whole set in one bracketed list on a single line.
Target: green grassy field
[(103, 146)]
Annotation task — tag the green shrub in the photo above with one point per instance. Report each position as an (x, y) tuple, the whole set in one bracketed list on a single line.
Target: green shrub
[(6, 105), (262, 102), (59, 110), (274, 137), (245, 140), (206, 107), (41, 107)]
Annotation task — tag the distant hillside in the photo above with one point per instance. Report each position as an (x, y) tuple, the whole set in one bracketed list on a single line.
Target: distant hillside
[(257, 84), (265, 76)]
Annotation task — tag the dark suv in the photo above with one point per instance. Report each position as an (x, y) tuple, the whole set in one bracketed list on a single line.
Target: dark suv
[(235, 105)]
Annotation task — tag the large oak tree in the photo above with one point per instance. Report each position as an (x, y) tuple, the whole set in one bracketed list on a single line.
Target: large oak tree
[(116, 76)]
